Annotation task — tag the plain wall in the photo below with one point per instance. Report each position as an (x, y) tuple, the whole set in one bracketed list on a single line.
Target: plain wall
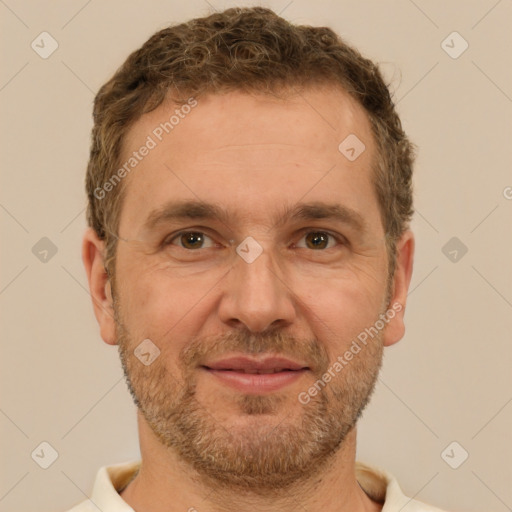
[(448, 380)]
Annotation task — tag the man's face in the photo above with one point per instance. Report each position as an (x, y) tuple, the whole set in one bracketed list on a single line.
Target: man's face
[(302, 288)]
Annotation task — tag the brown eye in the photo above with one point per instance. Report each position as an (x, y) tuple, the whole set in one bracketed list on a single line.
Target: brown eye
[(318, 240), (191, 240)]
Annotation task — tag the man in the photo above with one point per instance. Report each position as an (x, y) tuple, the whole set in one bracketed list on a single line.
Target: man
[(250, 193)]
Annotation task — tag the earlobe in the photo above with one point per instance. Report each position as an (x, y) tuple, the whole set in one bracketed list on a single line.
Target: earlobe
[(395, 329), (99, 284)]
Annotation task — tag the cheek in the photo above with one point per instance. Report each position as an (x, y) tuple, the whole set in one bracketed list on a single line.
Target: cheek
[(159, 304), (338, 310)]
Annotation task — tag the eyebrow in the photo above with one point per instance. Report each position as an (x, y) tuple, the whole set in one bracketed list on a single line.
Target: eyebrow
[(199, 210)]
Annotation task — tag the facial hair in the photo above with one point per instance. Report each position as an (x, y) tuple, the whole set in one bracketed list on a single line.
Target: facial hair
[(262, 456)]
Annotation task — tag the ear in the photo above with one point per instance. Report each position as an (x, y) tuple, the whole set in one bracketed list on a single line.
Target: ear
[(99, 285), (395, 329)]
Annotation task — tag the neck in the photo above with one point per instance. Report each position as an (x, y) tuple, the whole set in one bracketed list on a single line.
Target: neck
[(167, 483)]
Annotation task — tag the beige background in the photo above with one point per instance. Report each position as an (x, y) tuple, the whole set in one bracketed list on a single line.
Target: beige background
[(448, 380)]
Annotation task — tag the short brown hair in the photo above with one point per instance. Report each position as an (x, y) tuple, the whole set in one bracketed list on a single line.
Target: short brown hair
[(253, 50)]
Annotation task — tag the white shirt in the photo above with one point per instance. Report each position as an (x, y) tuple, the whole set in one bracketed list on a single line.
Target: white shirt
[(379, 485)]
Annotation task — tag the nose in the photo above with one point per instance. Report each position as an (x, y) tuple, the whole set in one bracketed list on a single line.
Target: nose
[(257, 295)]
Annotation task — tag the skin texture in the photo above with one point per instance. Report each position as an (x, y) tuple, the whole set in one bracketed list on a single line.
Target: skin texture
[(204, 444)]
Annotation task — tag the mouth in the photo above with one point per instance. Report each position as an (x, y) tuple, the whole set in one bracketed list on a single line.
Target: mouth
[(253, 371), (256, 376)]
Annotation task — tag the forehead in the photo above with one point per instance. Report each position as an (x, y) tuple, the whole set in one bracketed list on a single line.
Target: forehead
[(237, 149), (312, 116)]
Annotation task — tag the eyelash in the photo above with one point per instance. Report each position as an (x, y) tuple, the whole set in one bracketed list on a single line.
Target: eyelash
[(168, 241)]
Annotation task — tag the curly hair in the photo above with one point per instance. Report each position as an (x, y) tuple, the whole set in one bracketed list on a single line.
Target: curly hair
[(249, 50)]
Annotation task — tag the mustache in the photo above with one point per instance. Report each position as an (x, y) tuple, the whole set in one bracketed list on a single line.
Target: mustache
[(310, 351)]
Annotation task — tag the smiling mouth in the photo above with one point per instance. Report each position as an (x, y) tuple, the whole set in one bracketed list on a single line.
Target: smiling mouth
[(254, 381)]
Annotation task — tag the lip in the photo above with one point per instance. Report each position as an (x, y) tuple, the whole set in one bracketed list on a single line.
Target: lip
[(248, 363), (231, 371), (254, 383)]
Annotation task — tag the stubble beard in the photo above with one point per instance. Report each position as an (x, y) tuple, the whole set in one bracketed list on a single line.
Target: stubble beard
[(265, 455)]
